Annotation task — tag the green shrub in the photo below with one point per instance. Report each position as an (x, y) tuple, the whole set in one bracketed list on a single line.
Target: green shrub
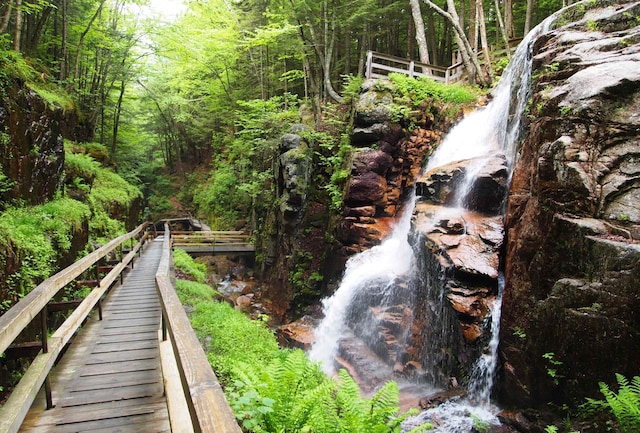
[(422, 89), (624, 405), (38, 236), (185, 263), (292, 394), (193, 292)]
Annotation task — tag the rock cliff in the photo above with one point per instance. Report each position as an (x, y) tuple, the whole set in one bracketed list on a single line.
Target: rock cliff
[(571, 300)]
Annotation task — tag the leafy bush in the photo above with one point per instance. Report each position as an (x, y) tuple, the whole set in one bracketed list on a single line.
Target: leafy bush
[(53, 95), (185, 263), (38, 236), (625, 404), (418, 90), (292, 394)]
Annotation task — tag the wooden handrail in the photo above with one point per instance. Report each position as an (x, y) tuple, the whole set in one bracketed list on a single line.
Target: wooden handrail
[(411, 68), (14, 321), (209, 411)]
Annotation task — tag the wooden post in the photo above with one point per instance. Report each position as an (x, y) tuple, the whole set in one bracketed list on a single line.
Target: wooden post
[(412, 66), (44, 329), (97, 285), (369, 63)]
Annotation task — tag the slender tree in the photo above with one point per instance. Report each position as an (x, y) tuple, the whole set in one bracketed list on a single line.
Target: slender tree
[(470, 59), (421, 37)]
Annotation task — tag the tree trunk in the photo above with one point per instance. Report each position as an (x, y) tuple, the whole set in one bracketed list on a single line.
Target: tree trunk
[(6, 17), (116, 118), (325, 53), (474, 26), (469, 58), (527, 21), (483, 37), (421, 37), (18, 31), (64, 54), (501, 28), (508, 19)]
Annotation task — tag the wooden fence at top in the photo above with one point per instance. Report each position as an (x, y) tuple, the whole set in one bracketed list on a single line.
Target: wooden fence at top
[(381, 65)]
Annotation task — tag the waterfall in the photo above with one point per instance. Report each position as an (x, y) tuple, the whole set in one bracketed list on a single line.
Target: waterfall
[(376, 274)]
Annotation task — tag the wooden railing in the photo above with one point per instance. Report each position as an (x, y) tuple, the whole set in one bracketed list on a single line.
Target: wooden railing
[(202, 406), (380, 65), (14, 321), (213, 242), (230, 238)]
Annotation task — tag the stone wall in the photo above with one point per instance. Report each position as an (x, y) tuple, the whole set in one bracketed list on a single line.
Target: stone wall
[(571, 300)]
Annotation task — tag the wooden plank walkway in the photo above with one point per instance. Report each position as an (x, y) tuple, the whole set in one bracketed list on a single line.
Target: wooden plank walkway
[(110, 379)]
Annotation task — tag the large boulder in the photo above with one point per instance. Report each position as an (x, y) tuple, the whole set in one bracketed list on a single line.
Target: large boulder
[(571, 297)]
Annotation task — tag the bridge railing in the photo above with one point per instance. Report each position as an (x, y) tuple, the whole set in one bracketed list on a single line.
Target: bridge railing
[(34, 304), (380, 65), (202, 406), (228, 238)]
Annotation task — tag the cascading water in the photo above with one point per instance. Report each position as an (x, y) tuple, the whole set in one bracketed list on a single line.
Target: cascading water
[(384, 274)]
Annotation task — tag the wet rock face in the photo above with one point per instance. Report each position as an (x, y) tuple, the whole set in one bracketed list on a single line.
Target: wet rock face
[(384, 167), (457, 249), (573, 222), (31, 145)]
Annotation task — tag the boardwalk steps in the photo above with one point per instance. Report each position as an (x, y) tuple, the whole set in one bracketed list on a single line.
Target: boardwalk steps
[(110, 379)]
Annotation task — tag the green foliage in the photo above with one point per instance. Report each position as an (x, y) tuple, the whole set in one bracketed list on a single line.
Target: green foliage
[(519, 332), (12, 64), (351, 85), (332, 155), (187, 265), (239, 182), (53, 95), (423, 89), (38, 235), (275, 390), (294, 395), (192, 292), (552, 367), (624, 405), (231, 338)]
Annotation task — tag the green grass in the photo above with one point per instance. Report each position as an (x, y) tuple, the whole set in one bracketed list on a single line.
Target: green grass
[(184, 262)]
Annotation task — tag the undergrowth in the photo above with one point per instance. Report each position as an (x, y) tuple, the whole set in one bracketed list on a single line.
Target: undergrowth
[(419, 90), (624, 405), (38, 236), (276, 390), (108, 195)]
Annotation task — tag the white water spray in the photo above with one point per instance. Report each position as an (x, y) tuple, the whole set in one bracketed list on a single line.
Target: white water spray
[(489, 132), (382, 263)]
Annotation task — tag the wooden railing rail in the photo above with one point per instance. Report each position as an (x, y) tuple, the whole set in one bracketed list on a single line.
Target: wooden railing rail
[(208, 410), (380, 65), (235, 238), (14, 321)]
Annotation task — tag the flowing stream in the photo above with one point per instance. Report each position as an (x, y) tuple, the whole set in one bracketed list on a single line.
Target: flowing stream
[(383, 274)]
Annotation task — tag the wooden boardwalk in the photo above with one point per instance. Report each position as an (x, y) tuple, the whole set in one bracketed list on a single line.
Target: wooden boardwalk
[(110, 379)]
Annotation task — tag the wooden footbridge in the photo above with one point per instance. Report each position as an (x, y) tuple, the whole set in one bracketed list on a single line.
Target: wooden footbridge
[(124, 360)]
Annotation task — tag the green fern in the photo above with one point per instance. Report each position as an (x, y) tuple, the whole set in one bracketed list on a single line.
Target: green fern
[(625, 405)]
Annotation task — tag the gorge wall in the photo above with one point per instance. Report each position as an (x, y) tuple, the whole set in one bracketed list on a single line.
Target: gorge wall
[(304, 236), (571, 299)]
